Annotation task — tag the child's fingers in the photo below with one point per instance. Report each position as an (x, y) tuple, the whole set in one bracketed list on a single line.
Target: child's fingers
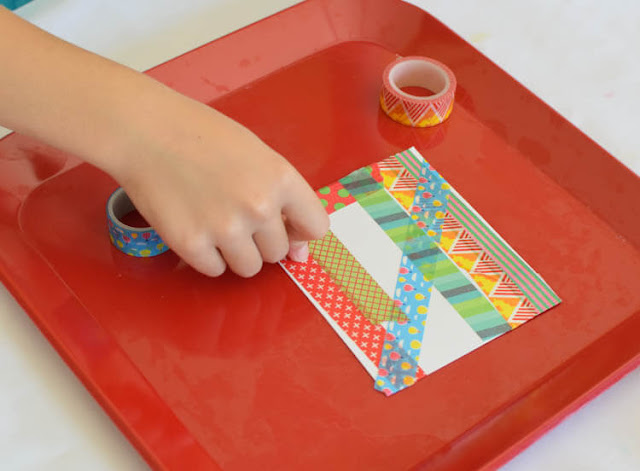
[(242, 256), (272, 241), (205, 259), (305, 220), (298, 251), (305, 215)]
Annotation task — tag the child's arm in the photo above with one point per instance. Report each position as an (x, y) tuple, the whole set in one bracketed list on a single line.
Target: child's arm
[(211, 188)]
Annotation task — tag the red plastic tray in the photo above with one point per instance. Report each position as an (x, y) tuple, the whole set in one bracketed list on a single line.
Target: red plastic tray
[(224, 373)]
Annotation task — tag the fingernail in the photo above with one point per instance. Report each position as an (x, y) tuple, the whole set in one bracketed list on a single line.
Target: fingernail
[(299, 253)]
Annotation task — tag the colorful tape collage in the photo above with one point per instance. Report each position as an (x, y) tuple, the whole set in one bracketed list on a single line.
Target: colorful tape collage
[(410, 276)]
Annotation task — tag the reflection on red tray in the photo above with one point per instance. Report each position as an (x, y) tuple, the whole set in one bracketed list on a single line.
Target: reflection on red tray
[(203, 373)]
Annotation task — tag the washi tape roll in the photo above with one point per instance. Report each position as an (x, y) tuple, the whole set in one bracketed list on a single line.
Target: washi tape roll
[(136, 241), (414, 110)]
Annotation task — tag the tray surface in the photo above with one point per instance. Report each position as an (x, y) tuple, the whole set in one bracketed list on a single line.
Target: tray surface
[(247, 374)]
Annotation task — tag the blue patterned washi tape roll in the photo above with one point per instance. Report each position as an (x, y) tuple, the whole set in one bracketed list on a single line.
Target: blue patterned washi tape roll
[(136, 241)]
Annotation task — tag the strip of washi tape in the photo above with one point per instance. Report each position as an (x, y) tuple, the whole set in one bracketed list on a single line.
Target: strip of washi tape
[(531, 284), (346, 271), (334, 197), (410, 161), (430, 202), (398, 368), (135, 241), (414, 110), (435, 265), (396, 179), (338, 305), (413, 290), (479, 236), (473, 257)]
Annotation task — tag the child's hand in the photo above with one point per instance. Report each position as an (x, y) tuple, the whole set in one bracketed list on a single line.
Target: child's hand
[(215, 192)]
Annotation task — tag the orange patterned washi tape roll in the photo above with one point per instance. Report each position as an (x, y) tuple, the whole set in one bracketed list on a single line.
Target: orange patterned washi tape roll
[(413, 110)]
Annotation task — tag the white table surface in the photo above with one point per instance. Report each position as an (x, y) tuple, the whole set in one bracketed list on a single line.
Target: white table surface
[(581, 57)]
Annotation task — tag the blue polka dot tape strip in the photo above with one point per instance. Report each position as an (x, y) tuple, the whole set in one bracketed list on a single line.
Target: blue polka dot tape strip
[(135, 241)]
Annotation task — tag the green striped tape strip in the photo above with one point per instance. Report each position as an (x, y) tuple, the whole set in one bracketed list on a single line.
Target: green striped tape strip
[(410, 161), (346, 271)]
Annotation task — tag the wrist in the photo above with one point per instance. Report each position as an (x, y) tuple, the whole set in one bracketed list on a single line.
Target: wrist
[(137, 125)]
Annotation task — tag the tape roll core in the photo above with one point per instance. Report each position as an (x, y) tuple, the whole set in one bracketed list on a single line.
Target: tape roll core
[(120, 206), (412, 110), (135, 241), (419, 74)]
